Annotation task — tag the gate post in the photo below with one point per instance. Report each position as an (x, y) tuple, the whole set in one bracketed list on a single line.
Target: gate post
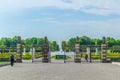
[(19, 50), (104, 50), (89, 53), (45, 51), (77, 58), (33, 54)]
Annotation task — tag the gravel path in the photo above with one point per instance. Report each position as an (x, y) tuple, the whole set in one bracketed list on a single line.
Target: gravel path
[(60, 71)]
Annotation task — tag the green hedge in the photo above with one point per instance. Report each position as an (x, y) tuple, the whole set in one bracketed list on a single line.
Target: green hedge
[(54, 57), (96, 57), (38, 55), (6, 55), (4, 59), (27, 56)]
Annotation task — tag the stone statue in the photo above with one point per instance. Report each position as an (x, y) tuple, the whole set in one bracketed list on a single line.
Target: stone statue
[(46, 40), (19, 40), (77, 40), (103, 40)]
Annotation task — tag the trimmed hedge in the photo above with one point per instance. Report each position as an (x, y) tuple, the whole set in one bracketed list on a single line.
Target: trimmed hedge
[(38, 55), (27, 56), (54, 57), (4, 59)]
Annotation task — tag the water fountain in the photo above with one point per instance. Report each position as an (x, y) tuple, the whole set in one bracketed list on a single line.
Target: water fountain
[(62, 53)]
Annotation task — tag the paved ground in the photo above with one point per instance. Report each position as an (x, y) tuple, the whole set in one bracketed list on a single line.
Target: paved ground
[(60, 71)]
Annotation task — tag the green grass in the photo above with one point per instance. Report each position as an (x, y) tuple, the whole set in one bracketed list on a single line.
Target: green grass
[(3, 63), (54, 57)]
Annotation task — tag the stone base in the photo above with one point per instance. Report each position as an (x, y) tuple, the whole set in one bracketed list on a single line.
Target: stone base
[(45, 60), (104, 61), (18, 61), (77, 60)]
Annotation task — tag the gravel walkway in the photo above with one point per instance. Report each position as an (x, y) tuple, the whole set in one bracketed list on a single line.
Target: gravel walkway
[(60, 71)]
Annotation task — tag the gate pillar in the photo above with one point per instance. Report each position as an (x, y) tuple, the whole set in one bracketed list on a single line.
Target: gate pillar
[(104, 50), (19, 50), (45, 51), (77, 57)]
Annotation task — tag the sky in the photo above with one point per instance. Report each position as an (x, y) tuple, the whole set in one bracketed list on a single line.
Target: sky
[(60, 19)]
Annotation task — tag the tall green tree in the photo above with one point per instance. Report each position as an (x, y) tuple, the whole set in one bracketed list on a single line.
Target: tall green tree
[(84, 40), (64, 45)]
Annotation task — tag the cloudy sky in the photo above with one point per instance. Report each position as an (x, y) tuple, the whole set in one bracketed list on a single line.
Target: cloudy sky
[(60, 19)]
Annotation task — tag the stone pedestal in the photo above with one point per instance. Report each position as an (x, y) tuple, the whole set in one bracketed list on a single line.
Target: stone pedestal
[(19, 53), (45, 58), (103, 54), (19, 50), (103, 50), (77, 58), (45, 51)]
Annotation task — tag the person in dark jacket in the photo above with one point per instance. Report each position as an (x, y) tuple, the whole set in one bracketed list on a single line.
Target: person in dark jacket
[(11, 59)]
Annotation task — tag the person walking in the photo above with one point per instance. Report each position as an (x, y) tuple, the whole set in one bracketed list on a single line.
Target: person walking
[(86, 57), (11, 59)]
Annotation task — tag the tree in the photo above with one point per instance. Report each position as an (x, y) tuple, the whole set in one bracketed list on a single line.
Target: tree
[(110, 41), (84, 40), (64, 45), (54, 46), (71, 41), (40, 41), (34, 41)]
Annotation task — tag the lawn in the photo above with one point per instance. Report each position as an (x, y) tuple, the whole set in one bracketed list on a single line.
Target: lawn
[(1, 63)]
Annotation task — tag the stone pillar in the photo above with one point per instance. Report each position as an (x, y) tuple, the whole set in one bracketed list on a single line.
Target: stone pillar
[(45, 51), (89, 53), (96, 51), (33, 54), (19, 50), (49, 55), (77, 58), (103, 50)]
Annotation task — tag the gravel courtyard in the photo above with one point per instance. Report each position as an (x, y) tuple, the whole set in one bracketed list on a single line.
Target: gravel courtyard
[(60, 71)]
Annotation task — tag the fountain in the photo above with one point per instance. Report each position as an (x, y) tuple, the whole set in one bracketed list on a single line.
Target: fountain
[(58, 53), (61, 54)]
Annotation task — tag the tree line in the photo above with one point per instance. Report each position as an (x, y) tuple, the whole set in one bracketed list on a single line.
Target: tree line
[(27, 43), (113, 44)]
